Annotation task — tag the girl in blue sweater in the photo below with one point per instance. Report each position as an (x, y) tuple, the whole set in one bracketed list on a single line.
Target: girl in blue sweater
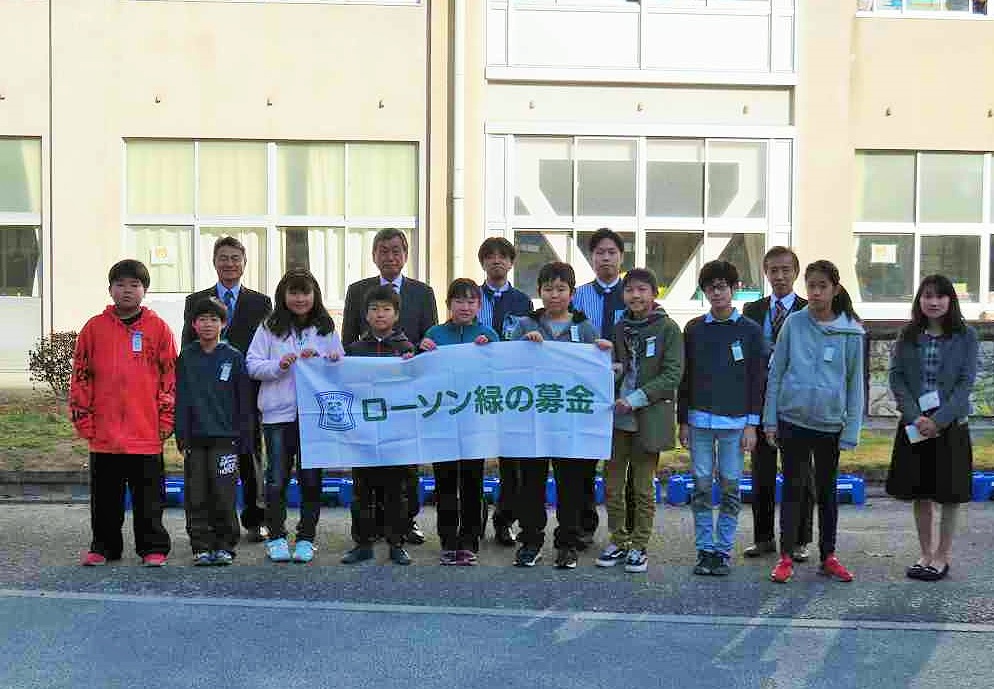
[(814, 408), (459, 485)]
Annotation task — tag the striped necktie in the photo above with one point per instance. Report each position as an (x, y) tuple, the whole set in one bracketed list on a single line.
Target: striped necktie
[(779, 315)]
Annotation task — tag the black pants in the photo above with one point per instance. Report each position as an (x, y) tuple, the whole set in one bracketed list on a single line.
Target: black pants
[(570, 475), (210, 471), (798, 446), (589, 519), (506, 513), (283, 456), (413, 490), (764, 497), (459, 503), (143, 475), (253, 489), (391, 483)]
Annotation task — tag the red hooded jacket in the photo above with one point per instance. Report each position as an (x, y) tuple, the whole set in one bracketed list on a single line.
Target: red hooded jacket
[(123, 389)]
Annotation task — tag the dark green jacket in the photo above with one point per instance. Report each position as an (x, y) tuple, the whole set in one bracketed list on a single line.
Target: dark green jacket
[(658, 376)]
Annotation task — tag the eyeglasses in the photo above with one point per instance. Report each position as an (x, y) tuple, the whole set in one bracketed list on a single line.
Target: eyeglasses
[(717, 287)]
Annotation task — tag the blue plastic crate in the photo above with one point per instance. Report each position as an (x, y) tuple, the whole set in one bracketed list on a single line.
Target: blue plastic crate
[(336, 491), (174, 492), (600, 491), (293, 494), (426, 489), (550, 491), (983, 486), (657, 489), (850, 489), (491, 489)]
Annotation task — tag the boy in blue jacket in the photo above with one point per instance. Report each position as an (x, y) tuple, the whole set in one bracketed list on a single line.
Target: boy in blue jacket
[(459, 484), (213, 425)]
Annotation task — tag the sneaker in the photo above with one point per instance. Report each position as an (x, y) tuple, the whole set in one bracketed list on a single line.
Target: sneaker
[(566, 558), (783, 571), (448, 558), (721, 565), (303, 551), (611, 556), (357, 554), (760, 549), (503, 535), (466, 558), (415, 536), (527, 556), (92, 559), (399, 556), (831, 567), (705, 563), (637, 561), (203, 559), (278, 550), (223, 557), (800, 554), (154, 560)]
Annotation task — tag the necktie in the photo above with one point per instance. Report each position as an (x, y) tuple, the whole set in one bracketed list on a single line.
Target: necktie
[(229, 303), (607, 310), (779, 315)]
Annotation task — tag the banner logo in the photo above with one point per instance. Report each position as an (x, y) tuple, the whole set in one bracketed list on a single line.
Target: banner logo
[(336, 410)]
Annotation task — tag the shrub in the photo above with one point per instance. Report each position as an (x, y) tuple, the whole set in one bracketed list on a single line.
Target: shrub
[(50, 362)]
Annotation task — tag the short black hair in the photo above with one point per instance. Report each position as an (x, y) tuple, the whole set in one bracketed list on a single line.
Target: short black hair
[(557, 270), (718, 270), (782, 251), (129, 268), (210, 305), (606, 233), (382, 293), (496, 245), (228, 241), (462, 288), (386, 234), (641, 275)]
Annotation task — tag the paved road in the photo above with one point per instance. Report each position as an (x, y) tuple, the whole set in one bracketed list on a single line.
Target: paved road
[(258, 624)]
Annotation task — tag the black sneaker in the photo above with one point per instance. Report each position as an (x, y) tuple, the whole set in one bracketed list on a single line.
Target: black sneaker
[(704, 563), (399, 556), (357, 554), (566, 558), (527, 556), (503, 535), (611, 555), (637, 561), (415, 536), (721, 565)]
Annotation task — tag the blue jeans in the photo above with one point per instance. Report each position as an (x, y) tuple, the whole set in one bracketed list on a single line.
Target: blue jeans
[(718, 538), (282, 455)]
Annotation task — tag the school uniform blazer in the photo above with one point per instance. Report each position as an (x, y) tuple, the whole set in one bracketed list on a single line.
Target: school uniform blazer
[(957, 372), (757, 310), (251, 309), (418, 310)]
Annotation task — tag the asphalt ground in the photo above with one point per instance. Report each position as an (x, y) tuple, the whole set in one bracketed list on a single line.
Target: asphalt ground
[(377, 624)]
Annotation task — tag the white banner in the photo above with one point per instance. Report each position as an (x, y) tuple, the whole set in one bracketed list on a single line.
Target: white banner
[(506, 399)]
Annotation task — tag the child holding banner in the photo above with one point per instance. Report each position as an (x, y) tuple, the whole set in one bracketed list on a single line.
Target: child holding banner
[(649, 349), (557, 321), (459, 485), (298, 328), (382, 338)]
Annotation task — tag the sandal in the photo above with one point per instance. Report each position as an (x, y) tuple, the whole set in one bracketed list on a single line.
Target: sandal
[(916, 571), (932, 574)]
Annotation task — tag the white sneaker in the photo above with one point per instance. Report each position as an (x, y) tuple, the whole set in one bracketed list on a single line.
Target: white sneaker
[(611, 556)]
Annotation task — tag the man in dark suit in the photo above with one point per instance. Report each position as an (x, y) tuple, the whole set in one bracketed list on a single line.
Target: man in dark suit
[(418, 312), (782, 268), (246, 310)]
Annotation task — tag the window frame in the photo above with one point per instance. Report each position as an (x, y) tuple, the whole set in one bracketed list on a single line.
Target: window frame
[(29, 219)]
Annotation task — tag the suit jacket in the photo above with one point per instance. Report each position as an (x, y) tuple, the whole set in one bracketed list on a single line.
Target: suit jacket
[(955, 379), (418, 310), (250, 310), (757, 310)]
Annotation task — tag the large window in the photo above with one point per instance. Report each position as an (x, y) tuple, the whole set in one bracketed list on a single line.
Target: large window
[(924, 7), (20, 217), (676, 202), (313, 205), (923, 212)]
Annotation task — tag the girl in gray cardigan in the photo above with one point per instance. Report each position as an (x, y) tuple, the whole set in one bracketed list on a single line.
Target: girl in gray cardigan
[(932, 370)]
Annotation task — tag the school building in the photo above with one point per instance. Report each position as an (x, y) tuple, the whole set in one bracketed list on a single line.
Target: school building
[(856, 130)]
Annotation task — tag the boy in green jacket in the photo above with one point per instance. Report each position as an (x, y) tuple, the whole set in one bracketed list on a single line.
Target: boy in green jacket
[(649, 366)]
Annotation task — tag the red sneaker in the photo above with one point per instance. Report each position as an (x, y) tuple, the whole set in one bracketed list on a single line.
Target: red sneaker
[(831, 567), (91, 559), (154, 560), (783, 571)]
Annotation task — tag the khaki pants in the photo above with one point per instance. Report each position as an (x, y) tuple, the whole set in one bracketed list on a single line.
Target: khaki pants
[(626, 456)]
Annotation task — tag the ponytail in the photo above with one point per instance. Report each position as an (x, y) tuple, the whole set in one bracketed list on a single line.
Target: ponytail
[(842, 303)]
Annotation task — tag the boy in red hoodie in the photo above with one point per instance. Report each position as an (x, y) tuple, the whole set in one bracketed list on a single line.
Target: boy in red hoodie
[(122, 401)]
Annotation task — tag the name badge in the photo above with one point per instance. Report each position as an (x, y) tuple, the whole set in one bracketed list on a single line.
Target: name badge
[(929, 401), (136, 341), (574, 333), (650, 346), (829, 353), (225, 371), (737, 351), (913, 435)]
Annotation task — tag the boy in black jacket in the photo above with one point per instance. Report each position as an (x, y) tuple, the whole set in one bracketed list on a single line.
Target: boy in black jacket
[(382, 338), (213, 425)]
